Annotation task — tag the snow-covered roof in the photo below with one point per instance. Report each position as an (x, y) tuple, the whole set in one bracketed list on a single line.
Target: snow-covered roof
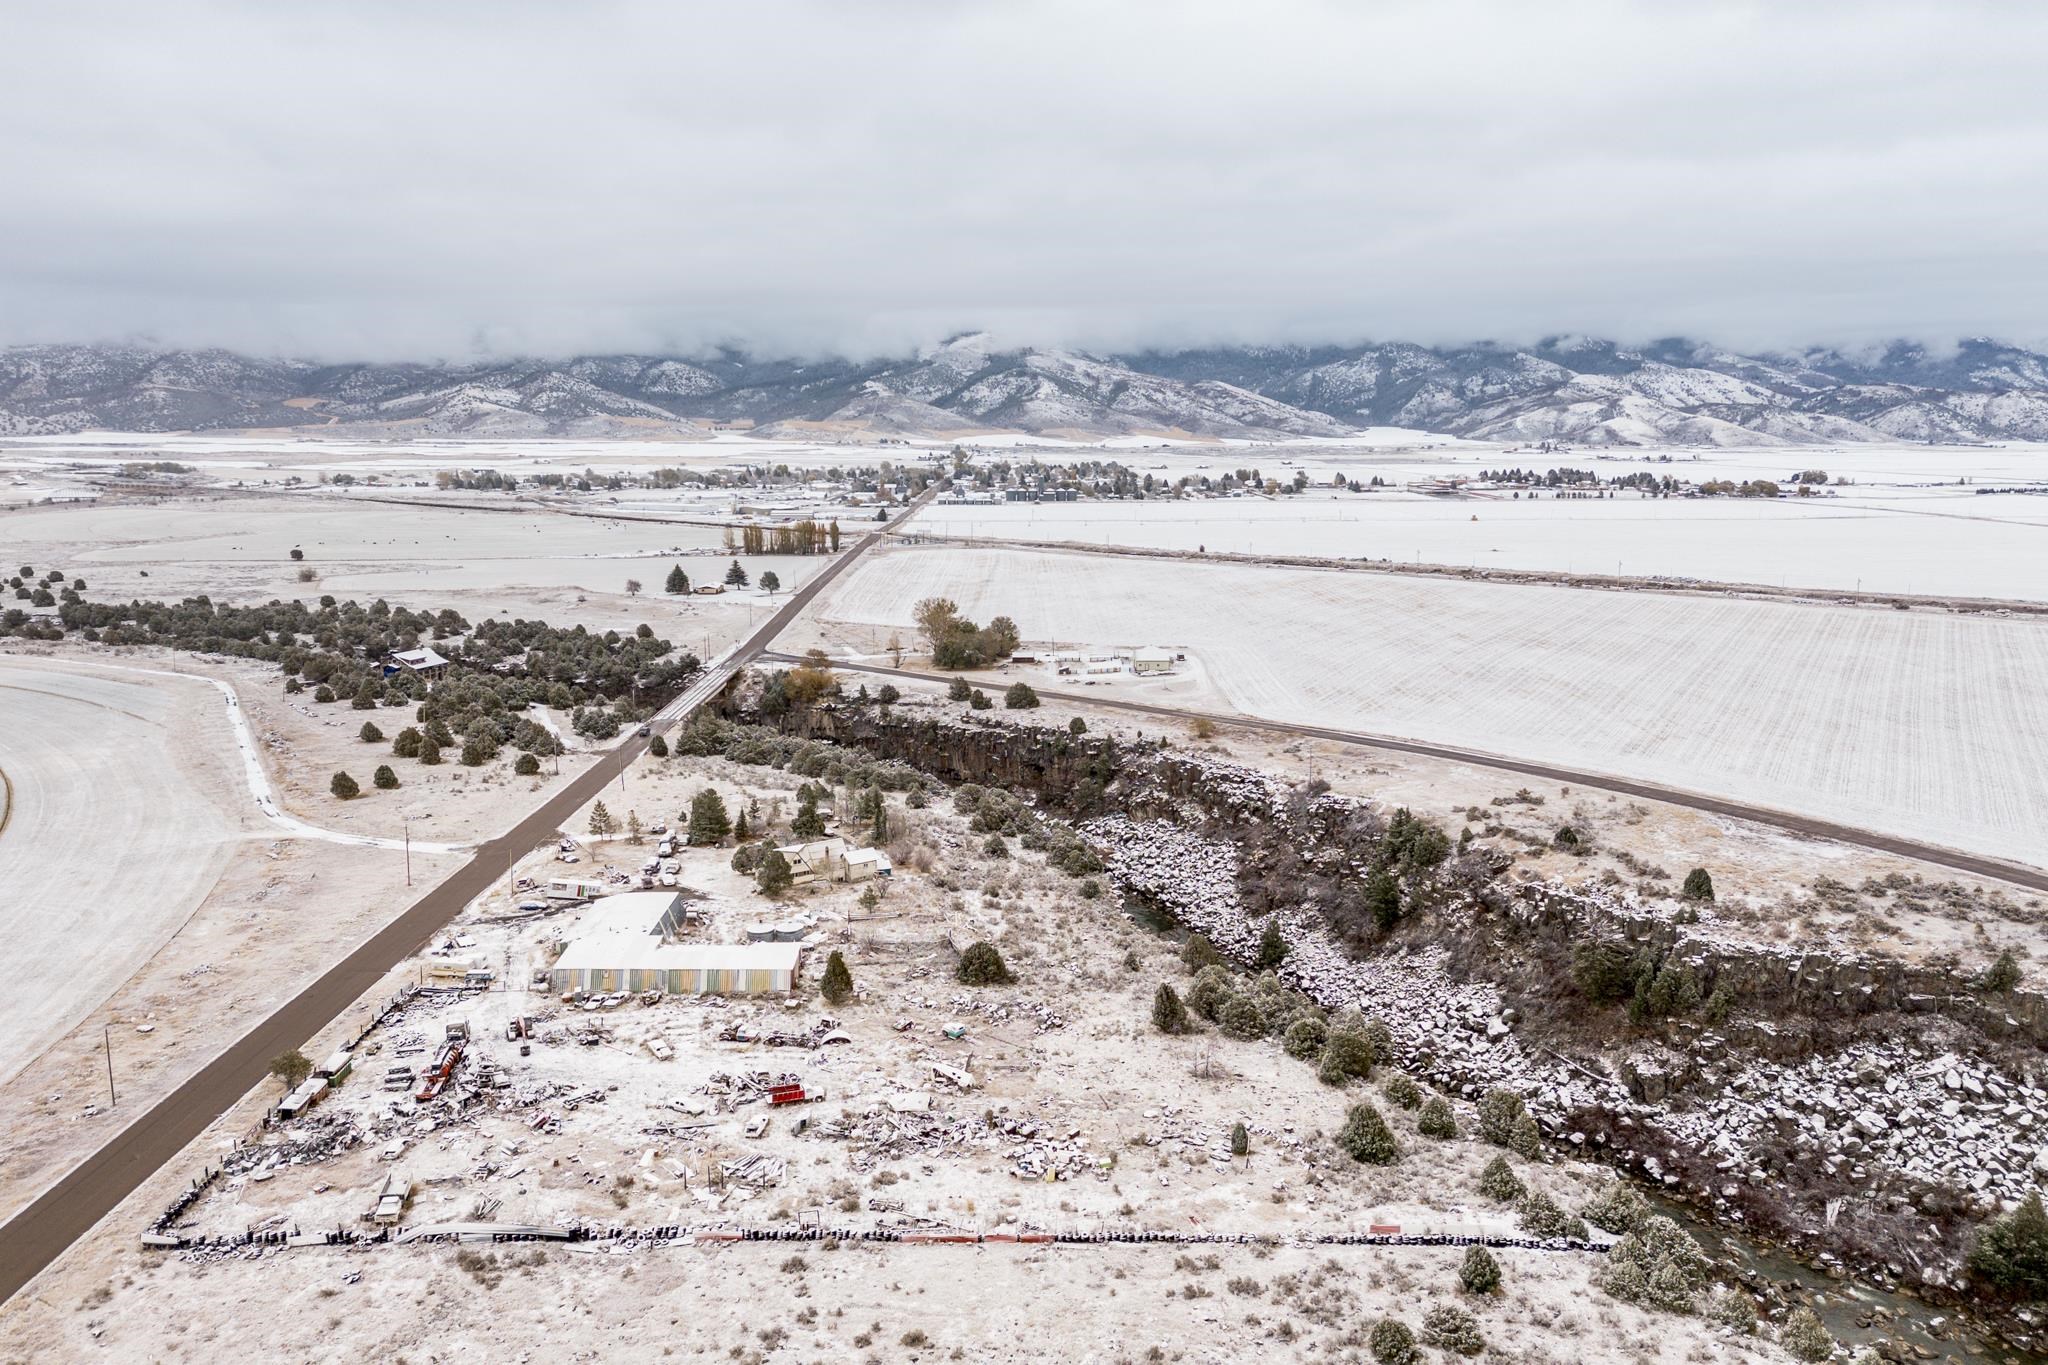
[(419, 658), (625, 931)]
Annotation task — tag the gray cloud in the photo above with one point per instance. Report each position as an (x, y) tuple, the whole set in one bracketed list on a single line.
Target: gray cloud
[(378, 180)]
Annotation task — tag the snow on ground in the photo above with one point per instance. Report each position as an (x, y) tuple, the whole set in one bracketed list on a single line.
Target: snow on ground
[(535, 564), (1920, 724), (114, 836), (1941, 542)]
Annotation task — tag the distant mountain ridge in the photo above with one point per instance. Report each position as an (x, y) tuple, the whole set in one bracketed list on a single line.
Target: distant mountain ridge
[(1580, 390)]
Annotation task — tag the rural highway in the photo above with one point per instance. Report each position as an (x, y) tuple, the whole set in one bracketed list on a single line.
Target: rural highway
[(2014, 873), (71, 1207)]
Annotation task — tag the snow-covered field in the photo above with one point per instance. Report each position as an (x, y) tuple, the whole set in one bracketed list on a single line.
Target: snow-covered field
[(119, 828), (1921, 724), (570, 569), (1938, 541)]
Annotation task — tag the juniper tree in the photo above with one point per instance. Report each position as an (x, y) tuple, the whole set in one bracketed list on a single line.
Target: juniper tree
[(2011, 1251), (837, 983), (1436, 1120), (1499, 1182), (384, 779), (1804, 1336), (1498, 1110), (1699, 885), (1451, 1328), (1479, 1272), (1272, 947), (370, 734), (1392, 1343), (344, 786), (1402, 1090), (1367, 1138), (982, 965)]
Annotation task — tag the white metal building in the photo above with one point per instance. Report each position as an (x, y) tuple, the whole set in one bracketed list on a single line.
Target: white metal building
[(623, 944)]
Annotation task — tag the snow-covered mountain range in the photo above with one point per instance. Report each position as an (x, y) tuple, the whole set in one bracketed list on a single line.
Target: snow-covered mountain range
[(1572, 389)]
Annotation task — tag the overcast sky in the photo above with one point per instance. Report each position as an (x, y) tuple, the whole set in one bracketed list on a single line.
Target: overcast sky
[(366, 180)]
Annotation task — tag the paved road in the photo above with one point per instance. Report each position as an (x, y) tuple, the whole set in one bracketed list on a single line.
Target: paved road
[(2015, 873), (69, 1209)]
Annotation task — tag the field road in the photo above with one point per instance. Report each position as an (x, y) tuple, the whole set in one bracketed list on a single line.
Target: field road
[(2014, 873), (71, 1207)]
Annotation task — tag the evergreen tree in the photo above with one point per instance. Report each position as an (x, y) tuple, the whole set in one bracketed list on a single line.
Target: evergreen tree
[(1499, 1182), (837, 983), (2002, 975), (526, 765), (1498, 1110), (601, 822), (370, 734), (407, 743), (636, 834), (808, 824), (1805, 1337), (709, 823), (1198, 953), (1367, 1138), (1272, 947), (1347, 1053), (678, 581), (1401, 1090), (770, 582), (775, 875), (1383, 900), (1479, 1272), (1437, 1120), (1699, 885), (344, 786), (736, 577), (982, 965), (1392, 1343), (384, 779), (658, 747), (740, 832), (1525, 1139), (1240, 1140), (2011, 1251), (1169, 1013), (430, 752)]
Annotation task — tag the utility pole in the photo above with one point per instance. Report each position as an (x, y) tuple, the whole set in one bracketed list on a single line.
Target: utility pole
[(107, 1036), (408, 850)]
